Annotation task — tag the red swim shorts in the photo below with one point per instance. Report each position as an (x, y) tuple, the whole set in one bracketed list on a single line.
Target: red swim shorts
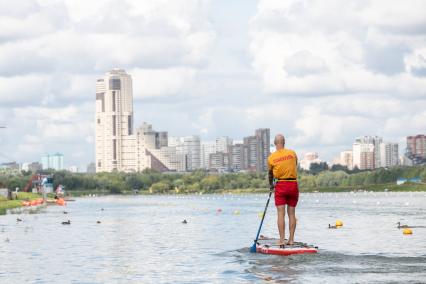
[(286, 192)]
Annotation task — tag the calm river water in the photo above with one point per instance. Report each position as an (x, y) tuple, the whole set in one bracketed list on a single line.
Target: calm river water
[(141, 239)]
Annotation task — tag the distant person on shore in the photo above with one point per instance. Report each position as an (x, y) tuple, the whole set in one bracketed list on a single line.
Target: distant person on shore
[(282, 166)]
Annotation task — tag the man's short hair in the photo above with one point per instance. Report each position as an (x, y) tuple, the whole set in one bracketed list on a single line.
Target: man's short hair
[(279, 139)]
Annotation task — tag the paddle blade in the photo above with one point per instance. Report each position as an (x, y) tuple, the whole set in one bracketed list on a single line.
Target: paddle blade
[(253, 248)]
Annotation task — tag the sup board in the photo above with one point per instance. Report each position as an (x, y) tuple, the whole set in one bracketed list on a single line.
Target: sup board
[(269, 246)]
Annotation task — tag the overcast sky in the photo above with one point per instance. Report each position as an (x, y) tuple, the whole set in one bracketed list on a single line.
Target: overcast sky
[(321, 72)]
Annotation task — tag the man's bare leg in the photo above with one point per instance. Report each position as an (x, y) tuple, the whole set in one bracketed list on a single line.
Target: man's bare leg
[(281, 223), (291, 211)]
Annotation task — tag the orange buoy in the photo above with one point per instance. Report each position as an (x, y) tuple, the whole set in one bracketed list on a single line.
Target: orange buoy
[(60, 202), (33, 202)]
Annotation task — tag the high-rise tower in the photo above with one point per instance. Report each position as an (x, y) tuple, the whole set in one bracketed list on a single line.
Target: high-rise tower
[(115, 142)]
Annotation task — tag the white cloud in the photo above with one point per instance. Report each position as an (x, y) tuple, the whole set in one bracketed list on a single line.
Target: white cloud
[(362, 45), (322, 71), (161, 82)]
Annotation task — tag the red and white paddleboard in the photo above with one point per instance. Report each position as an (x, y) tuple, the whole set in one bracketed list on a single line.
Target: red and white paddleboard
[(269, 246)]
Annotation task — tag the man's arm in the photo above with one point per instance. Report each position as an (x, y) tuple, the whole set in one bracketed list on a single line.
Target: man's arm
[(271, 179)]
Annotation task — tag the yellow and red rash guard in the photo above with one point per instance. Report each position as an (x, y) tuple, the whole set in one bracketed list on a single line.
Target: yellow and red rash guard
[(283, 164)]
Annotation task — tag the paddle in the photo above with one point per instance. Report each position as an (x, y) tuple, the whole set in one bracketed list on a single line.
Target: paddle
[(253, 247)]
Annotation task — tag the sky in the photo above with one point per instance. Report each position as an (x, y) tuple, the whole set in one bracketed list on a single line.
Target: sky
[(322, 72)]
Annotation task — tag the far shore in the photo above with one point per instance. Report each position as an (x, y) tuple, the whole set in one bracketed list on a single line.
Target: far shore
[(409, 187), (26, 196)]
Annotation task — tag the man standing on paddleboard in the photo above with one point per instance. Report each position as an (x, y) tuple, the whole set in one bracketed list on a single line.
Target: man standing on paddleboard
[(282, 166)]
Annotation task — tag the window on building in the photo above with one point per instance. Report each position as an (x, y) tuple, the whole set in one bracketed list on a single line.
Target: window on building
[(99, 121), (114, 84), (114, 149), (101, 97), (99, 164), (113, 100), (114, 129), (130, 124)]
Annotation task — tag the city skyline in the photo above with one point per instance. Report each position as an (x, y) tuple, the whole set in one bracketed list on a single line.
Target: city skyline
[(213, 69)]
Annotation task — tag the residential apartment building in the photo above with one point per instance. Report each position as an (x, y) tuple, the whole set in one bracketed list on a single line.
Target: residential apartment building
[(239, 157), (219, 161), (191, 148), (346, 159), (308, 159), (207, 148), (53, 161), (416, 145), (389, 155), (263, 136), (363, 156), (375, 141)]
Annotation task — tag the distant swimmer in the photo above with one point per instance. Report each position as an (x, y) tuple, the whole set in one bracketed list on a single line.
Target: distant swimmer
[(282, 166), (18, 220), (66, 222), (98, 222), (65, 212), (184, 222)]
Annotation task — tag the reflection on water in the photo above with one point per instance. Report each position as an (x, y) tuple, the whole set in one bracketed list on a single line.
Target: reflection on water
[(143, 240)]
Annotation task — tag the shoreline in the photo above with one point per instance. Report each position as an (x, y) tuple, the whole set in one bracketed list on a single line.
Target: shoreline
[(409, 187), (16, 203)]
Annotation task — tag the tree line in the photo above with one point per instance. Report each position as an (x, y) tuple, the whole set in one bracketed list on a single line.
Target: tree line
[(201, 181)]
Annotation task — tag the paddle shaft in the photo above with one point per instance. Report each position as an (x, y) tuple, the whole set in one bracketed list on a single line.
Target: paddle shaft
[(263, 217)]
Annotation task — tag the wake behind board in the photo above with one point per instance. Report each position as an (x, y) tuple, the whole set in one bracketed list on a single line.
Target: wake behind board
[(269, 246)]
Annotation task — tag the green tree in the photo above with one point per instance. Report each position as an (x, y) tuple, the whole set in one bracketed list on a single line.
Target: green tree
[(159, 187)]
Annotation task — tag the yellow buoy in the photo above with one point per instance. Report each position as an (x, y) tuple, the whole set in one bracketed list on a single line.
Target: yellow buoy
[(236, 212), (260, 214), (407, 231), (339, 223)]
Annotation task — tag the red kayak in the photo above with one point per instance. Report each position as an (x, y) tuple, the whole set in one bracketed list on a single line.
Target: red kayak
[(268, 246)]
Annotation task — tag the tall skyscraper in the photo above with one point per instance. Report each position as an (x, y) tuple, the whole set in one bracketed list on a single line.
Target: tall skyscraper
[(251, 152), (263, 145), (115, 142)]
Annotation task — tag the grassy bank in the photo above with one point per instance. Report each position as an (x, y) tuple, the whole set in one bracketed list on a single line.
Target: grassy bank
[(22, 196)]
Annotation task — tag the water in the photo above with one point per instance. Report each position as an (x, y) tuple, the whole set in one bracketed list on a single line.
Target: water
[(142, 240)]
